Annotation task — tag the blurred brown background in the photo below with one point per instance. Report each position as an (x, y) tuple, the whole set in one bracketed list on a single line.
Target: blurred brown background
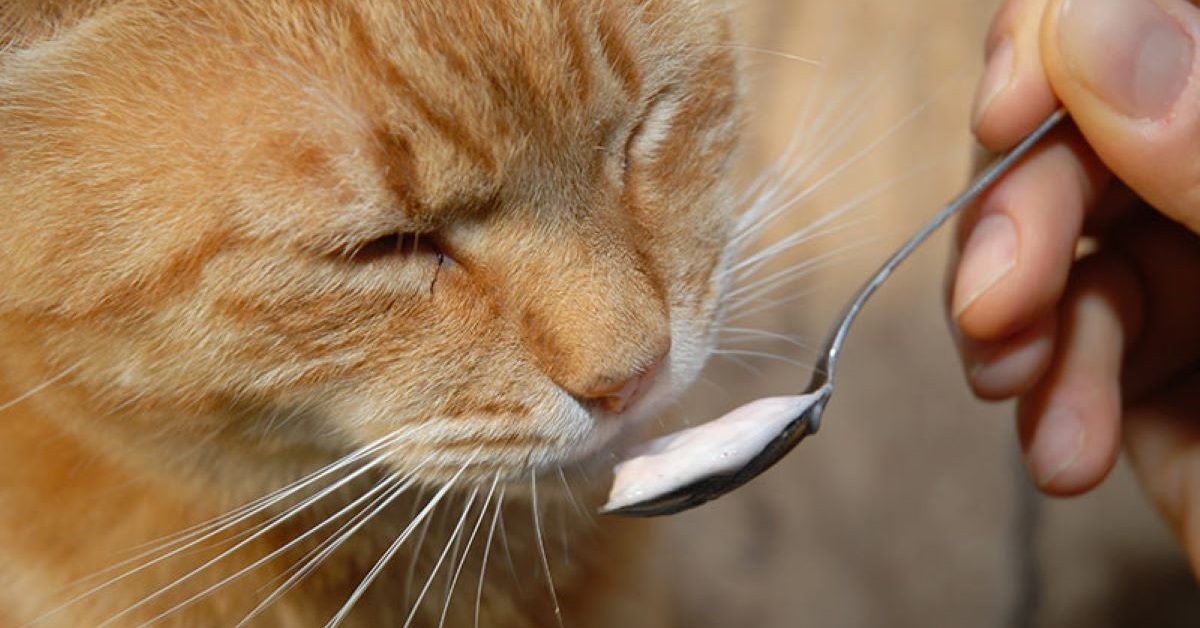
[(910, 507)]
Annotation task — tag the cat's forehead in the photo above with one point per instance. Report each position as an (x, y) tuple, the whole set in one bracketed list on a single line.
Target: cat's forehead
[(540, 71), (459, 95), (273, 103)]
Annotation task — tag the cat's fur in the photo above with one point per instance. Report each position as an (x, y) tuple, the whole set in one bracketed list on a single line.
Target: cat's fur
[(189, 320)]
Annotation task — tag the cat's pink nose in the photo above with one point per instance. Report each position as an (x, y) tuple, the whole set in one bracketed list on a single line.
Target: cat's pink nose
[(616, 397)]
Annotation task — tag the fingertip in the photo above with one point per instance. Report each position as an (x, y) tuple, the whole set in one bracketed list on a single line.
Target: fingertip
[(1069, 424), (1070, 441), (1019, 251), (1013, 95)]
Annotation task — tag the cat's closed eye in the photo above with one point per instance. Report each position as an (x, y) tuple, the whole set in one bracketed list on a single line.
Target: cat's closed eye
[(410, 246)]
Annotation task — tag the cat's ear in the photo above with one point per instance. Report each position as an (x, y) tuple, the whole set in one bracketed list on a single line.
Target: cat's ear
[(24, 22)]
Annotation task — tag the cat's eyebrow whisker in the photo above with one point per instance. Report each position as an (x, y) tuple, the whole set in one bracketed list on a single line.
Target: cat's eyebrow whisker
[(412, 613), (483, 509), (205, 531), (487, 549), (537, 527)]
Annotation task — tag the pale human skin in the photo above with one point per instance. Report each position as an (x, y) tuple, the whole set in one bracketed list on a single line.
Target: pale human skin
[(1100, 350)]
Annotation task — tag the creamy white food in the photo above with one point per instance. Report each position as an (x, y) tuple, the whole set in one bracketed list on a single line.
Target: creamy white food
[(719, 446)]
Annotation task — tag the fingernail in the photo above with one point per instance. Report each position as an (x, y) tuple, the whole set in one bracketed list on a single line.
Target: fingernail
[(997, 74), (990, 253), (1129, 52), (1056, 445)]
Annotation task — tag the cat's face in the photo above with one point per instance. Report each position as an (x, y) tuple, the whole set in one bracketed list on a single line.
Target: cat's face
[(315, 224)]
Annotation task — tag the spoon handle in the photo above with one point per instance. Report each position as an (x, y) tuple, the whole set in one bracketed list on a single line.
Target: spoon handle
[(824, 370)]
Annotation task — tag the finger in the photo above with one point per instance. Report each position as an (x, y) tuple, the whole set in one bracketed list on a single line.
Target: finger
[(1009, 368), (1127, 71), (1013, 95), (1166, 258), (1162, 437), (1069, 424), (1020, 242)]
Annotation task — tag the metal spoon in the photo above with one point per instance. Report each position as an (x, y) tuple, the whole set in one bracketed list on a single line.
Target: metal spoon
[(707, 488)]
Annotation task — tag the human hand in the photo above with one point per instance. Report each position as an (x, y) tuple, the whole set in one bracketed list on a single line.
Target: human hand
[(1101, 347)]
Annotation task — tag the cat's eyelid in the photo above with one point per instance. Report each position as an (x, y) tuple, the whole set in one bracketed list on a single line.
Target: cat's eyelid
[(652, 126), (396, 243)]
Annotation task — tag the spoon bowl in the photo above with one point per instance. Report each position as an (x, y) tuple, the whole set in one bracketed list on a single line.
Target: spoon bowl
[(675, 474)]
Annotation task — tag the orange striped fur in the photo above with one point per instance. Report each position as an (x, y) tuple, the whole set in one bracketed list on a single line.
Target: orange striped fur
[(243, 239)]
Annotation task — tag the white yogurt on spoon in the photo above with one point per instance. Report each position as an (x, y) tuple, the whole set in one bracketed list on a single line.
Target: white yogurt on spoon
[(720, 446)]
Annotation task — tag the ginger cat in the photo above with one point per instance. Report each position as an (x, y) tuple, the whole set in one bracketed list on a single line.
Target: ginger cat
[(422, 264)]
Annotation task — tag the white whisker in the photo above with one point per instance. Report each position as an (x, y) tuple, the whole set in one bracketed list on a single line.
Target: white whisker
[(753, 263), (467, 552), (487, 548), (773, 53), (441, 557), (579, 509), (761, 354), (764, 335), (512, 567), (395, 546), (271, 524), (770, 283), (537, 526), (215, 527), (744, 364), (415, 558), (330, 545), (39, 388), (396, 484)]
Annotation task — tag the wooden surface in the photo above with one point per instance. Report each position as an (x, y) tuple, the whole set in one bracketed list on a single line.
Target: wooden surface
[(909, 508)]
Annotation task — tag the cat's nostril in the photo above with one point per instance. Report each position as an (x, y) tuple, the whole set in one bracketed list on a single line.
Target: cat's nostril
[(617, 396)]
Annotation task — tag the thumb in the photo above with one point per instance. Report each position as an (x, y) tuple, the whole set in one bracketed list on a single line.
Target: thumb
[(1163, 441), (1127, 72)]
